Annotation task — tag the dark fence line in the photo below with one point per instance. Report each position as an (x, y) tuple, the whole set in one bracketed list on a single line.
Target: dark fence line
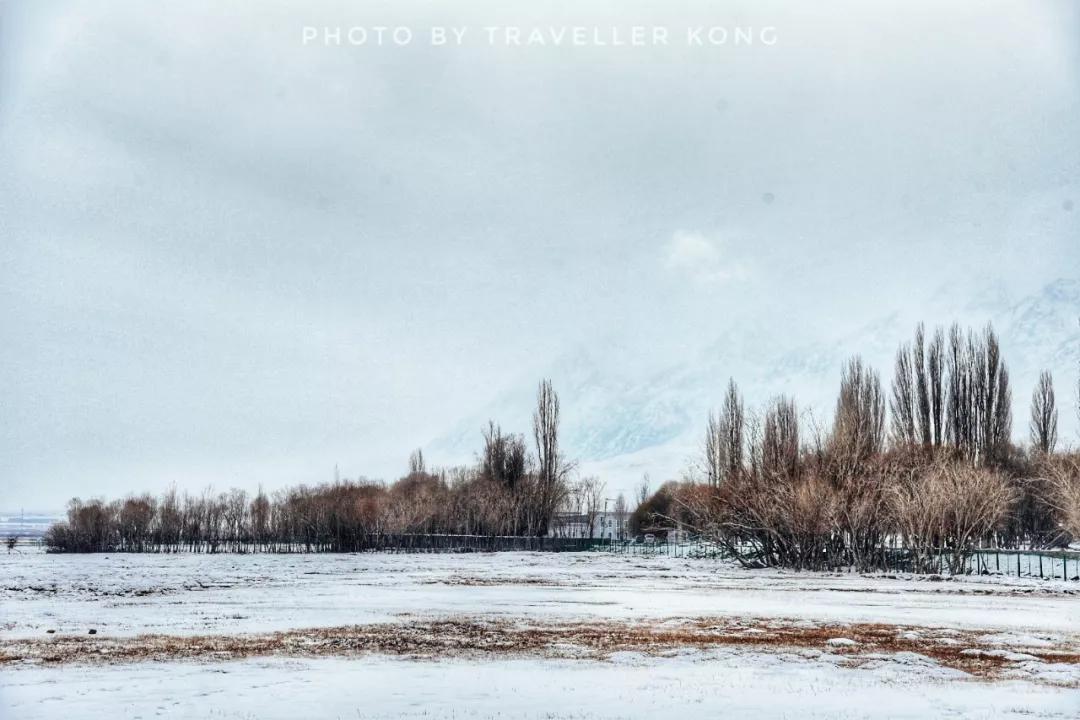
[(477, 543), (373, 542), (1045, 564)]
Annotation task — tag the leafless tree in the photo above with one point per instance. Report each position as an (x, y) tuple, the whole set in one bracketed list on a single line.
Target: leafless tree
[(918, 391), (621, 513), (644, 489), (714, 451), (725, 438), (946, 510), (780, 439), (505, 459), (1063, 494), (733, 427), (592, 491), (996, 399), (552, 468), (979, 397), (260, 520), (903, 401), (858, 430), (1044, 415), (416, 461)]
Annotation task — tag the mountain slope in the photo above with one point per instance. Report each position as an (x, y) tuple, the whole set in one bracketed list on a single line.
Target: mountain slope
[(620, 424)]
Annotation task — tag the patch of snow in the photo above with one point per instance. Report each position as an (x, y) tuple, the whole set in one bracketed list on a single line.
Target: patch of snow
[(764, 687)]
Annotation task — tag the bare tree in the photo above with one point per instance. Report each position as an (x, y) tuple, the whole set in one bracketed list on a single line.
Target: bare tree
[(780, 439), (922, 386), (902, 404), (592, 491), (859, 426), (996, 410), (260, 519), (725, 439), (552, 469), (960, 404), (644, 490), (1064, 494), (714, 451), (950, 508), (918, 391), (734, 426), (935, 373), (1044, 415), (979, 397), (621, 512), (416, 462), (505, 459)]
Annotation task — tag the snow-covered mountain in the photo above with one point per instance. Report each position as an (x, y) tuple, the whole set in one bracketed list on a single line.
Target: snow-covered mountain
[(622, 424)]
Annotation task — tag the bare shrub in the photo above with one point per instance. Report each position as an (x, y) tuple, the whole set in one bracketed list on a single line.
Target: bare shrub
[(947, 510), (1063, 494)]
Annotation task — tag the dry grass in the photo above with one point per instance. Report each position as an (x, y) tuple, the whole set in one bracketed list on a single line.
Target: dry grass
[(478, 581), (962, 650)]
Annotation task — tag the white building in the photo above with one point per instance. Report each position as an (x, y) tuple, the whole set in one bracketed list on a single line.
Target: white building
[(603, 526)]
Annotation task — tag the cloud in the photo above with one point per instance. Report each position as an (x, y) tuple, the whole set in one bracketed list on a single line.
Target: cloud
[(701, 258), (220, 248)]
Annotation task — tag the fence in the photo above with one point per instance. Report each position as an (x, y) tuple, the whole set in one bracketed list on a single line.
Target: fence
[(374, 542), (1045, 564), (669, 549), (475, 543)]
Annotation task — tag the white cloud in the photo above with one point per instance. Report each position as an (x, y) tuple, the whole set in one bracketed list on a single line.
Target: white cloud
[(701, 258)]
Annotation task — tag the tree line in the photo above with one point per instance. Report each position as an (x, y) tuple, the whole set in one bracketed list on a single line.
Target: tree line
[(928, 468), (512, 490), (925, 467)]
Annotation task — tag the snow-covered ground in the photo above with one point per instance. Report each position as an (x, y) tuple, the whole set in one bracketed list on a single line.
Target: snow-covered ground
[(122, 596), (197, 594), (714, 685)]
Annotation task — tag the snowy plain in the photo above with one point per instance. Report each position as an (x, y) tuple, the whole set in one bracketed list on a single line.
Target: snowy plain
[(125, 596)]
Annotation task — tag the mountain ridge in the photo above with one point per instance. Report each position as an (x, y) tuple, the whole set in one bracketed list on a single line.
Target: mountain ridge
[(614, 421)]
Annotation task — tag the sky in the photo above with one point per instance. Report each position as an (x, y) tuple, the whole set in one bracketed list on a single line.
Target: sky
[(232, 255)]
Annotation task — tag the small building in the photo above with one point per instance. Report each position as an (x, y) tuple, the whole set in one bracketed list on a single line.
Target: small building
[(598, 525)]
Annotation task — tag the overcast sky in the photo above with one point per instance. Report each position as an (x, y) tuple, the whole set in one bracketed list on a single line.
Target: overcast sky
[(229, 256)]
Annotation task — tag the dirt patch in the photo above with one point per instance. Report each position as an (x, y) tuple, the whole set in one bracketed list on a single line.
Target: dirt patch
[(961, 650), (477, 581)]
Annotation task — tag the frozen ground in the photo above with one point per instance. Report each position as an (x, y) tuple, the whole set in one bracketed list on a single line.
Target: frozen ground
[(719, 685), (1001, 647), (197, 594)]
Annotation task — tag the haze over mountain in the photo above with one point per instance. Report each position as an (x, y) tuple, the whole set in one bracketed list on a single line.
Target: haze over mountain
[(620, 425)]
